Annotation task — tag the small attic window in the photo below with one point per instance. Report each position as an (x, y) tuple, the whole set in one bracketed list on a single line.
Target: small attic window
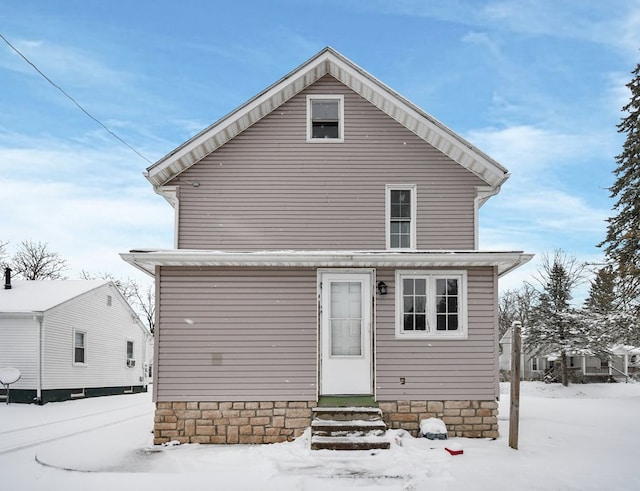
[(325, 118), (109, 300)]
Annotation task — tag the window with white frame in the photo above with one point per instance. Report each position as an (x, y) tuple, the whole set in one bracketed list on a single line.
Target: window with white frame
[(130, 354), (325, 118), (431, 304), (79, 347), (401, 216)]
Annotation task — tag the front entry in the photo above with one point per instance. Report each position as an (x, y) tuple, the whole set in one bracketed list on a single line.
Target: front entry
[(345, 333)]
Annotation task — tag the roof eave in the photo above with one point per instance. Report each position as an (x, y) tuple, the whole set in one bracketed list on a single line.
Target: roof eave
[(148, 260)]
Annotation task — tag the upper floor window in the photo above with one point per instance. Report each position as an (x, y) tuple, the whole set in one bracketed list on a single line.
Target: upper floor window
[(431, 304), (325, 118), (401, 216)]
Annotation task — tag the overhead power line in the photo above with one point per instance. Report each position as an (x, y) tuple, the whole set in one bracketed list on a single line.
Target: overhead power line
[(113, 134)]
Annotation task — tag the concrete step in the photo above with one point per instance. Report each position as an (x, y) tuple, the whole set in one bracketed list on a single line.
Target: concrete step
[(323, 427), (348, 428), (349, 443), (347, 413)]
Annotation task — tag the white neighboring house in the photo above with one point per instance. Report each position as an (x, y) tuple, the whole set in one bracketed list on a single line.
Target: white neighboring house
[(622, 362), (70, 339)]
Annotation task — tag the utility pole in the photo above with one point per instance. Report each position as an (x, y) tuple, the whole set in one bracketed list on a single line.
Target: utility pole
[(514, 414)]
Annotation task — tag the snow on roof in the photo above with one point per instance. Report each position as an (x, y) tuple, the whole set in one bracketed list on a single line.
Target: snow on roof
[(39, 296), (147, 259)]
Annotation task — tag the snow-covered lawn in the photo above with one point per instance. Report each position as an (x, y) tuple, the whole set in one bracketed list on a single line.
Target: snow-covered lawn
[(584, 437)]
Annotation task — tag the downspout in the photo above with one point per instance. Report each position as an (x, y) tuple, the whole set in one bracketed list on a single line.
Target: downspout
[(40, 319), (483, 193), (171, 194)]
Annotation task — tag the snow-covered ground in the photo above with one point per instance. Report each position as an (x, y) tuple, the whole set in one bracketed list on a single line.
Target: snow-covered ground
[(584, 437)]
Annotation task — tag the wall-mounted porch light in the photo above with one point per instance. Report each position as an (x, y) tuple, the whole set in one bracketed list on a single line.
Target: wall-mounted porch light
[(382, 288)]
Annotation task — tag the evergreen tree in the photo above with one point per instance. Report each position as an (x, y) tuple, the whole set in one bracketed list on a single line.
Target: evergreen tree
[(622, 242), (555, 326), (610, 321), (603, 295)]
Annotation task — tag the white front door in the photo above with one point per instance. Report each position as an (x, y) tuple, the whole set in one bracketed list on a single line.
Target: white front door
[(345, 333)]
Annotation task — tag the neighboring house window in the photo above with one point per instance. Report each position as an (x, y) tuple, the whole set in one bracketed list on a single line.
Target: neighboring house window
[(325, 118), (534, 364), (431, 304), (109, 300), (130, 359), (79, 347), (401, 216)]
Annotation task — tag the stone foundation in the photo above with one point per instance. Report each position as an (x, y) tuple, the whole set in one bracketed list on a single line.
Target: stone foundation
[(273, 422), (469, 419), (231, 422)]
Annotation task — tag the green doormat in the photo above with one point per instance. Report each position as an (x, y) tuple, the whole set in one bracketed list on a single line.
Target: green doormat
[(347, 401)]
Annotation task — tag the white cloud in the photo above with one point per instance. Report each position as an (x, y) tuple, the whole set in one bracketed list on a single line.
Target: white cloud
[(72, 66), (558, 211), (87, 203), (86, 225), (570, 19), (526, 150)]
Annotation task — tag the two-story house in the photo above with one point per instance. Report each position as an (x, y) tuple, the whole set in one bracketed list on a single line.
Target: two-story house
[(325, 245)]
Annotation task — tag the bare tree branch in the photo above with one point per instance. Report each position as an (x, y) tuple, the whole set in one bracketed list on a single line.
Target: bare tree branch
[(3, 254), (34, 261)]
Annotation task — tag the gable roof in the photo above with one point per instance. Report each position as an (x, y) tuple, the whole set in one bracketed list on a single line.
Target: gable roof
[(40, 296), (328, 61)]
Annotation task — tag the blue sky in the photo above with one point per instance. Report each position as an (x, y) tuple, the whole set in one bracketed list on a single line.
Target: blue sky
[(538, 85)]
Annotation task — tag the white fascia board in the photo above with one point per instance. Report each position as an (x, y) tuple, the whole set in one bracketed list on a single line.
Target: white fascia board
[(22, 314), (504, 261), (418, 121), (235, 122)]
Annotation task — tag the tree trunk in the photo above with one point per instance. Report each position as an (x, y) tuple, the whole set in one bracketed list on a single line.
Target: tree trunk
[(564, 368)]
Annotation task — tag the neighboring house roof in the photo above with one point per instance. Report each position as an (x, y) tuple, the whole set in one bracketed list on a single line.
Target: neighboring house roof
[(506, 339), (40, 296), (328, 61), (622, 349)]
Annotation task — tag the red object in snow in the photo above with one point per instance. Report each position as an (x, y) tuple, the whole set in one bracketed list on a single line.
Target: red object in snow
[(453, 451)]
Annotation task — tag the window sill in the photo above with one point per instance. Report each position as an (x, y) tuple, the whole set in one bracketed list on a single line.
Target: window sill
[(431, 336), (325, 140)]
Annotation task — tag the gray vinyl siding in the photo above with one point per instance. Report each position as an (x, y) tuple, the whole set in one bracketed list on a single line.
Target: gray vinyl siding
[(440, 370), (268, 188), (19, 337), (236, 335), (107, 331)]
